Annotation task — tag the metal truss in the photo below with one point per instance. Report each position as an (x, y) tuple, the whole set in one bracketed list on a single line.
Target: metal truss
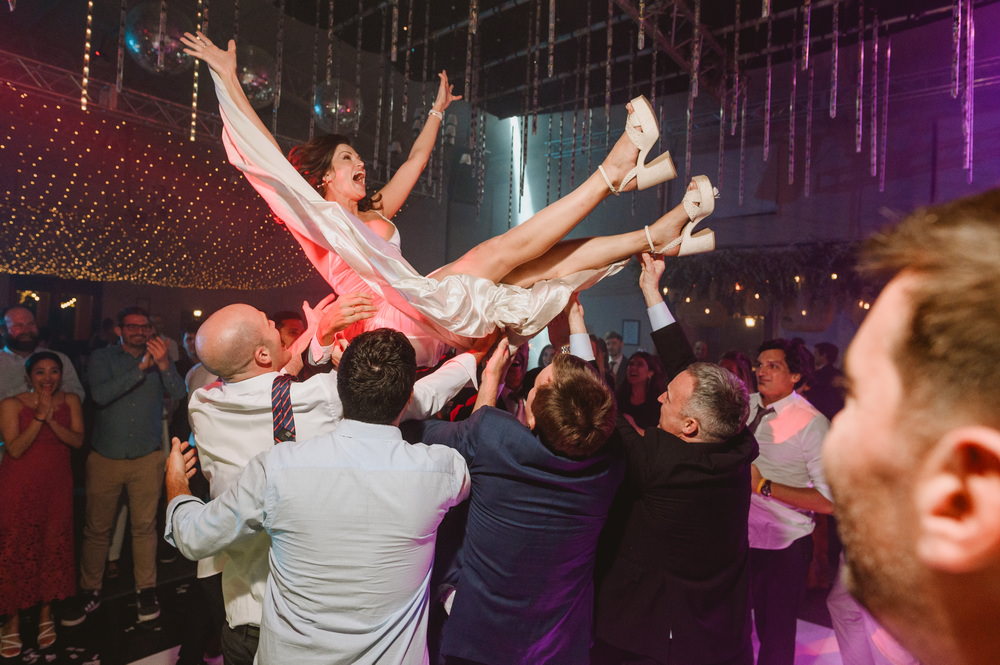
[(671, 25), (66, 86)]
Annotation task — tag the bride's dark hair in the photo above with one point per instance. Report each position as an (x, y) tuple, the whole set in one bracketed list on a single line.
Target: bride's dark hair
[(312, 159)]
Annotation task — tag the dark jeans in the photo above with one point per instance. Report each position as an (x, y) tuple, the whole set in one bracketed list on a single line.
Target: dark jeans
[(207, 614), (777, 589), (239, 645)]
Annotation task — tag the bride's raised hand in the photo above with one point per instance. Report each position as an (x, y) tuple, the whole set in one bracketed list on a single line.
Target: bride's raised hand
[(201, 47)]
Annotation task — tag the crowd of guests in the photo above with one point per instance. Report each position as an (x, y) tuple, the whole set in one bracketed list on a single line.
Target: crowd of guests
[(602, 509)]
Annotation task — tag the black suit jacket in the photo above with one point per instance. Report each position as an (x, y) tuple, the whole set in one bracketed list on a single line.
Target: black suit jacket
[(677, 588)]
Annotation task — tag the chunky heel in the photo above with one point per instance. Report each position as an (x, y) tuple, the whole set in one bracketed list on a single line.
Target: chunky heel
[(698, 203), (655, 172)]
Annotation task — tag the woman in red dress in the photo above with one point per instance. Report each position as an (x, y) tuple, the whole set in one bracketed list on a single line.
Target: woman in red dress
[(37, 564)]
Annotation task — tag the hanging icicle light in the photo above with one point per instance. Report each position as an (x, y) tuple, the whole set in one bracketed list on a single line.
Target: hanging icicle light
[(791, 121), (807, 184), (873, 158), (970, 83), (641, 44), (405, 104), (380, 100), (552, 37), (735, 96), (85, 82), (473, 26), (806, 29), (722, 142), (279, 58), (200, 19), (767, 92), (885, 116), (609, 42), (743, 136), (859, 112), (957, 29), (120, 55), (834, 58), (394, 43)]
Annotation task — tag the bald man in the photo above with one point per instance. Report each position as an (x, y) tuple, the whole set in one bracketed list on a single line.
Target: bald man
[(232, 423)]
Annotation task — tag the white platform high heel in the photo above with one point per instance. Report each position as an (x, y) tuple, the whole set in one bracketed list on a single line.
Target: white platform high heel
[(655, 172), (698, 203)]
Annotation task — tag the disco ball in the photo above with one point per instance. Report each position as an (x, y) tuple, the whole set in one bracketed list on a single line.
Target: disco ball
[(256, 72), (153, 39), (337, 107)]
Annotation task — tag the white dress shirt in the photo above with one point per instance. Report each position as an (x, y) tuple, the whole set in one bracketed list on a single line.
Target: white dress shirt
[(352, 518), (791, 449), (232, 424)]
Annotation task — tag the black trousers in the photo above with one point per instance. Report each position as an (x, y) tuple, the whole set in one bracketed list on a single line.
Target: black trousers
[(777, 589), (239, 645)]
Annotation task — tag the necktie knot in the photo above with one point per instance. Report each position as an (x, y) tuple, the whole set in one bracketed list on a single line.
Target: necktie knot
[(758, 417)]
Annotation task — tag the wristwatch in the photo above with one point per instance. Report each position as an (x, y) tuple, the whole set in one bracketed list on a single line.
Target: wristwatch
[(765, 488)]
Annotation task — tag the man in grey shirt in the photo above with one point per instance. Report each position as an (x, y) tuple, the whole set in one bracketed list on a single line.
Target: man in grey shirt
[(128, 384)]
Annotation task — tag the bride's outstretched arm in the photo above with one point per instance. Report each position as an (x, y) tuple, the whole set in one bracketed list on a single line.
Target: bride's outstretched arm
[(223, 63)]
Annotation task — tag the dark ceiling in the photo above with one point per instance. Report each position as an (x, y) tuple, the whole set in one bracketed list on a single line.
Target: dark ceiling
[(514, 33), (512, 36)]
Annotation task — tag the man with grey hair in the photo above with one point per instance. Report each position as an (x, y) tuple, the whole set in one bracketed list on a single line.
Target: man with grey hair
[(677, 585)]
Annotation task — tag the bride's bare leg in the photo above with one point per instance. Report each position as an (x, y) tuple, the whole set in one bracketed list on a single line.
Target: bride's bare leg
[(570, 256), (501, 254)]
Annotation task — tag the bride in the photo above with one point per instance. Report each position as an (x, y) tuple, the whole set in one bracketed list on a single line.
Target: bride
[(518, 281)]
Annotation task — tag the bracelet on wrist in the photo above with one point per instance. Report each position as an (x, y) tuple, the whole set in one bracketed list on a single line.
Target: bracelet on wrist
[(437, 114)]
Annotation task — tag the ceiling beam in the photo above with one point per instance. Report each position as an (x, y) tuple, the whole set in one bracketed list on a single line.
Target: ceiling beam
[(713, 64)]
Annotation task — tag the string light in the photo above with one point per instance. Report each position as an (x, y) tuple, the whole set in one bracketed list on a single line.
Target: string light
[(68, 304), (94, 197), (197, 313), (25, 296), (194, 84), (833, 275), (750, 322), (86, 55), (708, 310), (798, 279)]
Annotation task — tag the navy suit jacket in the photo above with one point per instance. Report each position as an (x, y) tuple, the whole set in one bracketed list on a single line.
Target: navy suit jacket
[(525, 588), (677, 589)]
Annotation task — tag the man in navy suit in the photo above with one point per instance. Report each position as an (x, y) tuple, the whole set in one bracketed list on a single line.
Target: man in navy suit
[(540, 497), (676, 591)]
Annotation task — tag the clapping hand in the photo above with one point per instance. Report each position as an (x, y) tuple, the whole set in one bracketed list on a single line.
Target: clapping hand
[(44, 406)]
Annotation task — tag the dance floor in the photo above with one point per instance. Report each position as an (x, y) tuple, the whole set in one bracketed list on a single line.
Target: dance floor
[(111, 635)]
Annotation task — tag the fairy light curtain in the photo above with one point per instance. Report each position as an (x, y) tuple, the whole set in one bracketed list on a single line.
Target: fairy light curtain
[(87, 196)]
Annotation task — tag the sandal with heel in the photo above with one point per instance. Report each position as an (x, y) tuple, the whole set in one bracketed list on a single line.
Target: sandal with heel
[(10, 645), (698, 203), (46, 634), (657, 171)]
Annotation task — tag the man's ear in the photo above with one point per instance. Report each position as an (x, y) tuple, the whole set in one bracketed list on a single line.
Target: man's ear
[(263, 358), (957, 494), (690, 427)]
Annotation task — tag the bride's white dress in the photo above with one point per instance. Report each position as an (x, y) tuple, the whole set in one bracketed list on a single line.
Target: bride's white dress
[(454, 310)]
